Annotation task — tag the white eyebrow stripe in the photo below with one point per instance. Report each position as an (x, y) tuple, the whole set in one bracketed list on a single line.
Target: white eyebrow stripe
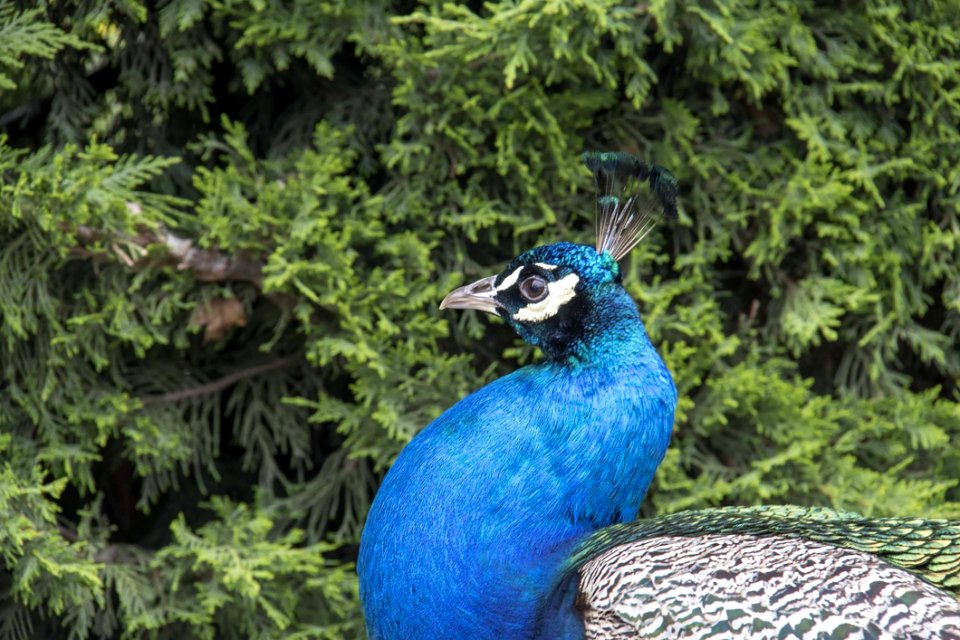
[(545, 266), (510, 280), (558, 294)]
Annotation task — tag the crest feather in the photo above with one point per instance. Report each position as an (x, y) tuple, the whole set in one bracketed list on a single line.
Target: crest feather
[(632, 196)]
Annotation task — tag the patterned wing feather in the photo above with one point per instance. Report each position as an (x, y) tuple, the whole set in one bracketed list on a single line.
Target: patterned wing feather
[(927, 548), (757, 587), (768, 572)]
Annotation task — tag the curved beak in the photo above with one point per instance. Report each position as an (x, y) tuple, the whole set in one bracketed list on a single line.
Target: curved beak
[(480, 295)]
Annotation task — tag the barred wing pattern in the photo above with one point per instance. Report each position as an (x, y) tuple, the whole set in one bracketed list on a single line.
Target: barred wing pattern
[(770, 572), (741, 586)]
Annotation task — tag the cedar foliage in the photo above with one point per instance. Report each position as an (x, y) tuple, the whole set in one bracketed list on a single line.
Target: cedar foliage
[(225, 226)]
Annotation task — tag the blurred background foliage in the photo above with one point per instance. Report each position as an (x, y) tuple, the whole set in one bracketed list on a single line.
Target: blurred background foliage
[(225, 226)]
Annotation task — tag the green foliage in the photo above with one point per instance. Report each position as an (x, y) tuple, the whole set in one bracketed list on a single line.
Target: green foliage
[(25, 33), (225, 226)]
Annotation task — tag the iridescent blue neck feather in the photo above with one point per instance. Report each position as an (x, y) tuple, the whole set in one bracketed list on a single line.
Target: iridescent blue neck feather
[(472, 524)]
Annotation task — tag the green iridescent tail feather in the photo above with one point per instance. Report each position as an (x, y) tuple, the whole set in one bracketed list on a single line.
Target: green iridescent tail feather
[(632, 197), (929, 549)]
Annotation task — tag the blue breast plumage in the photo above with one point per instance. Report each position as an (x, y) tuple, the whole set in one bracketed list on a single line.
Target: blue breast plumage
[(495, 493)]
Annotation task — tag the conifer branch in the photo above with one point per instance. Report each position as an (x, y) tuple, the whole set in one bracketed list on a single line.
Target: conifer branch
[(221, 383)]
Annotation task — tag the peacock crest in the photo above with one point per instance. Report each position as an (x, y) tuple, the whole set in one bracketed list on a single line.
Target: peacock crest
[(632, 197)]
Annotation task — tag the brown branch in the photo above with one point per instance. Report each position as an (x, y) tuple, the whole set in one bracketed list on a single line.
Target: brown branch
[(207, 265), (221, 383), (210, 265)]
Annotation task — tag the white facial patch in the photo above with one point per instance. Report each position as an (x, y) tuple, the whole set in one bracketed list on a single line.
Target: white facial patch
[(545, 266), (510, 280), (558, 294)]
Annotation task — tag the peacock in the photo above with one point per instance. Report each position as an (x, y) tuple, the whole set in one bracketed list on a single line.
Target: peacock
[(513, 514)]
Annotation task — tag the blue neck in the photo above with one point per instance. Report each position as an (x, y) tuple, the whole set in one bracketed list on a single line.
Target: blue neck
[(470, 525)]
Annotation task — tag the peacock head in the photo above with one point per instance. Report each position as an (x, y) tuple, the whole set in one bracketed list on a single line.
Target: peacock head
[(560, 297)]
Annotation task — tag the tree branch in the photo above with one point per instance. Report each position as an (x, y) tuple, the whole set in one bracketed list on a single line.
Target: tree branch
[(220, 383), (208, 265)]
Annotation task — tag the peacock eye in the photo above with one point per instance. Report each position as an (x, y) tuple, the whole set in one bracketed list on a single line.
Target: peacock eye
[(533, 289)]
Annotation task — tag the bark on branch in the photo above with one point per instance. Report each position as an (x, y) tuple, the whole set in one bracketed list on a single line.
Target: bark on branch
[(207, 265)]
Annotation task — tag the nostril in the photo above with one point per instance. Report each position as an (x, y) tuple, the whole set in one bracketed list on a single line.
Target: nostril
[(482, 287)]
